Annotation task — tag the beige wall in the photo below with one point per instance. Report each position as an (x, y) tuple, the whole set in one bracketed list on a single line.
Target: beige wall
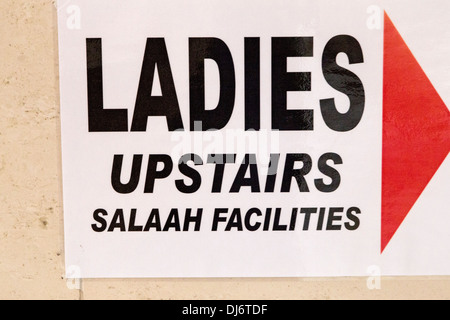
[(31, 225)]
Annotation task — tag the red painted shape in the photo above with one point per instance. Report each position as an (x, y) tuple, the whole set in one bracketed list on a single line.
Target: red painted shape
[(416, 132)]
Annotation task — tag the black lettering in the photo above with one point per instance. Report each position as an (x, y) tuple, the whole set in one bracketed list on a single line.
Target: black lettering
[(156, 58), (189, 172), (133, 227), (298, 174), (235, 221), (276, 222), (293, 223), (252, 84), (267, 219), (329, 172), (272, 173), (332, 218), (118, 221), (154, 221), (343, 81), (218, 218), (307, 212), (132, 184), (283, 82), (153, 173), (241, 180), (98, 218), (352, 216), (215, 49), (248, 219), (173, 221), (321, 219), (100, 120), (220, 160), (189, 218)]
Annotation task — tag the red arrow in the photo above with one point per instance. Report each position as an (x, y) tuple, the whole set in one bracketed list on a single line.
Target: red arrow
[(416, 132)]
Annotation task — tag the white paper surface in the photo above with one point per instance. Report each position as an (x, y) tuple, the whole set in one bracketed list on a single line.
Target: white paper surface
[(124, 27)]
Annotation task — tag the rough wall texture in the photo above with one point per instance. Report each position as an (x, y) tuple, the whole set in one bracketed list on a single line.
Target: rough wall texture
[(31, 222)]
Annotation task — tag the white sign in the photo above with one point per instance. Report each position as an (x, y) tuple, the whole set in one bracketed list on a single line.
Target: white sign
[(208, 138)]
